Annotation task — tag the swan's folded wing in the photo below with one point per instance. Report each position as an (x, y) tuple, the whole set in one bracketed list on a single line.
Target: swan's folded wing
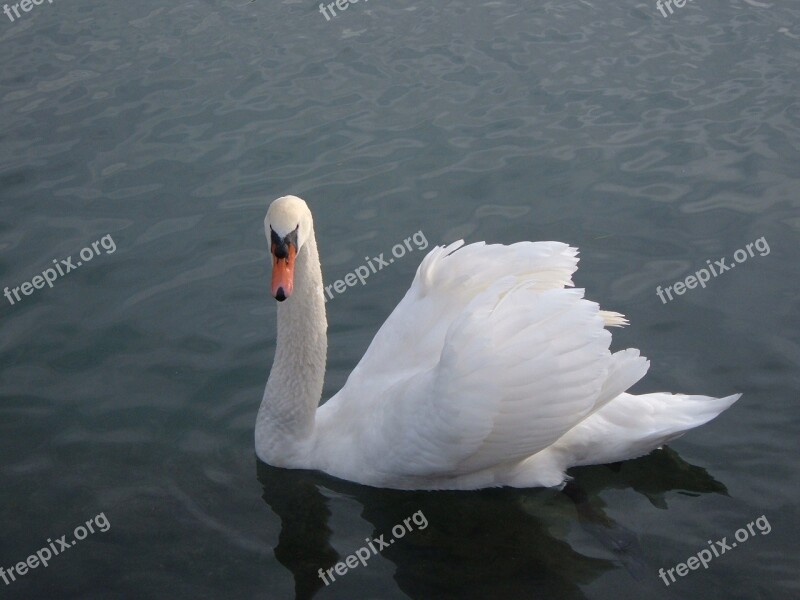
[(447, 280), (517, 369)]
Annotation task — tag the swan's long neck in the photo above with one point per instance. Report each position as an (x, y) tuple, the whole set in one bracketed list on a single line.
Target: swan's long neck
[(285, 421)]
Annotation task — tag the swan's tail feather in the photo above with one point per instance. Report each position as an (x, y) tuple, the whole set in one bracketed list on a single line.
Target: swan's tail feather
[(627, 427), (631, 426)]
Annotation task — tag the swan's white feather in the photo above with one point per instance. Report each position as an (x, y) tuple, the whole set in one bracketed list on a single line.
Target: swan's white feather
[(446, 281), (487, 363), (627, 427)]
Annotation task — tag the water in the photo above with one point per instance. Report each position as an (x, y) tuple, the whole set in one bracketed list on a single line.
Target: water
[(130, 387)]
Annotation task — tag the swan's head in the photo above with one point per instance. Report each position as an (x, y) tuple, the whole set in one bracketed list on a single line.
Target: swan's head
[(288, 226)]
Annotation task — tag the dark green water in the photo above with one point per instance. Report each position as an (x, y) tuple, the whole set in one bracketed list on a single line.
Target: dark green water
[(130, 387)]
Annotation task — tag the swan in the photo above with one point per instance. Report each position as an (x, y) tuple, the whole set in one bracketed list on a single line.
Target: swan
[(491, 371)]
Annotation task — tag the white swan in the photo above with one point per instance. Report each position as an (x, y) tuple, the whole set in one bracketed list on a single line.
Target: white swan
[(490, 372)]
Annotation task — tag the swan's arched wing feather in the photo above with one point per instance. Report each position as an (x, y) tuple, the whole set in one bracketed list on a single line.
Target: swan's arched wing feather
[(518, 370), (449, 277)]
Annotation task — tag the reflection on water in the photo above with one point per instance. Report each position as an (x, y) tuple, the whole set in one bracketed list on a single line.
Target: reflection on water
[(504, 543)]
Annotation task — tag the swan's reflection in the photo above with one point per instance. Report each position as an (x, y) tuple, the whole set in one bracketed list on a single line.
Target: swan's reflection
[(504, 543)]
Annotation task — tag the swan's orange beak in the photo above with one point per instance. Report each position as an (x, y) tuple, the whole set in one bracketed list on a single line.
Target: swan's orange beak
[(283, 271)]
